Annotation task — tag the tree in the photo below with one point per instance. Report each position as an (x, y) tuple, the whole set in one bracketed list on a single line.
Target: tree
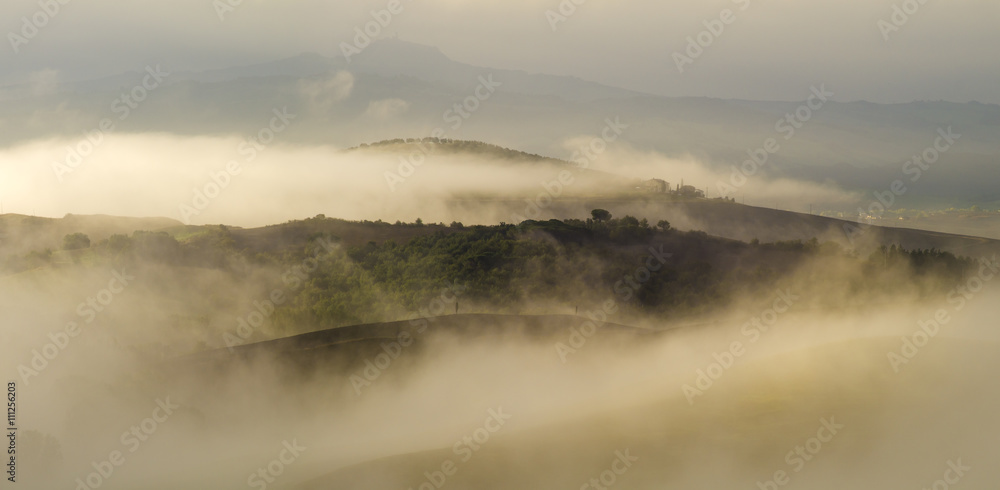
[(76, 241), (663, 225), (601, 215)]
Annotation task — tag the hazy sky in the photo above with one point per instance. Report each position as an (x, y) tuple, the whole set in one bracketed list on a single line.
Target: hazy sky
[(772, 49)]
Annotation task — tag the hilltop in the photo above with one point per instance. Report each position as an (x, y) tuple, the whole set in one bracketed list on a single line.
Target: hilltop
[(453, 146)]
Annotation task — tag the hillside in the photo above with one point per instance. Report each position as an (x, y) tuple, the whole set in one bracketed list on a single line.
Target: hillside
[(345, 348), (740, 222), (337, 273), (20, 234), (450, 146), (752, 419)]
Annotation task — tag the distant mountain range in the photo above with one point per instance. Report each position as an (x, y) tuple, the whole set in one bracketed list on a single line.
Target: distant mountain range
[(396, 89)]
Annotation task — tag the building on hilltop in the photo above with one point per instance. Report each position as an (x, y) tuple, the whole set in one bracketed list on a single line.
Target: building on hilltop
[(656, 185)]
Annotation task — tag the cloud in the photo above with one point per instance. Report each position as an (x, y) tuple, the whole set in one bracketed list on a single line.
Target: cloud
[(321, 94), (759, 189), (39, 83), (157, 174), (386, 109)]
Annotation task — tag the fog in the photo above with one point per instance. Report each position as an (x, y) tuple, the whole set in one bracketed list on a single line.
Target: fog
[(212, 180), (566, 414), (202, 356)]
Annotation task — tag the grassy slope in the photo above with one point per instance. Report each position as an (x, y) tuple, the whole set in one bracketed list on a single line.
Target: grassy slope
[(740, 222)]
